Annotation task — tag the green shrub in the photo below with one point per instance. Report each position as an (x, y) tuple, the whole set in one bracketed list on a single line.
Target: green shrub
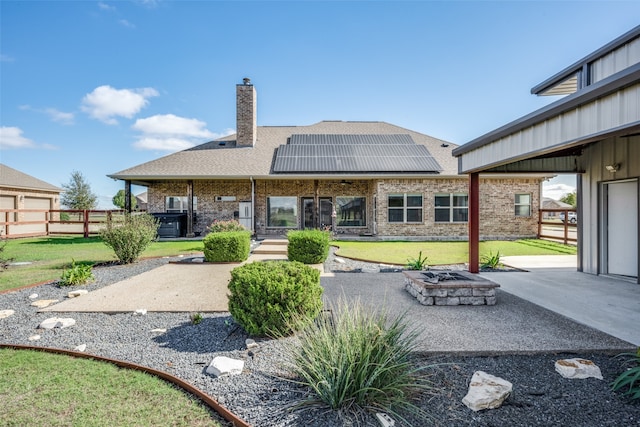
[(308, 246), (491, 260), (196, 318), (356, 359), (419, 263), (131, 237), (227, 246), (274, 298), (221, 226), (4, 262), (77, 274), (630, 379)]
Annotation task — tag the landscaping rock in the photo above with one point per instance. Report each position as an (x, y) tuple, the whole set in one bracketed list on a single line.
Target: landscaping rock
[(140, 312), (57, 322), (251, 344), (6, 313), (42, 303), (33, 296), (159, 331), (486, 391), (578, 368), (77, 293), (81, 347), (222, 365), (34, 337)]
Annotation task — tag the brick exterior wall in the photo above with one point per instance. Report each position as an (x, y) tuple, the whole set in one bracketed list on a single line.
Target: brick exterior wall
[(246, 115), (497, 204)]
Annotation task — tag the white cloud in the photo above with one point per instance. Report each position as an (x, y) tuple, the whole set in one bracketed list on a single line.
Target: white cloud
[(126, 23), (168, 132), (105, 103), (105, 6), (169, 124), (60, 116), (11, 137), (556, 191)]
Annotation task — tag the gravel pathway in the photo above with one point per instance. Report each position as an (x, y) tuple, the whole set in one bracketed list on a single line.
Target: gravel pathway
[(540, 398)]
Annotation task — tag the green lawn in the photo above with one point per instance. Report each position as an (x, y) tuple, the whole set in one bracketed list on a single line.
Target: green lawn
[(39, 388), (50, 255), (440, 253)]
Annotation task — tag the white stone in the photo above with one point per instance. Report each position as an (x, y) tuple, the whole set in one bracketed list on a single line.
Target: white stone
[(34, 337), (6, 313), (486, 391), (81, 347), (578, 368), (221, 365), (339, 260), (57, 322), (33, 296), (79, 292), (42, 303), (251, 344), (159, 331), (140, 312)]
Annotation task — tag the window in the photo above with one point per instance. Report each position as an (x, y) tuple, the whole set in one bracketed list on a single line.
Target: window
[(282, 212), (179, 204), (523, 204), (452, 207), (351, 211), (404, 208)]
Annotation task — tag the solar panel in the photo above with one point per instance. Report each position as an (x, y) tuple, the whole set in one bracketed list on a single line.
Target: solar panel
[(325, 153)]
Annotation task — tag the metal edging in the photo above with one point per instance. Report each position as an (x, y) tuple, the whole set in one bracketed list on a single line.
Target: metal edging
[(205, 398)]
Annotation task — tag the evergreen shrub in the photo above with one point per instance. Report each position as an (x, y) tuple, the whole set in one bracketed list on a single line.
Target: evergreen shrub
[(227, 246), (308, 246), (274, 298), (130, 238)]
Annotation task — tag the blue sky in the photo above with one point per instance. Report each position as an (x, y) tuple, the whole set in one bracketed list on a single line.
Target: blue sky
[(98, 87)]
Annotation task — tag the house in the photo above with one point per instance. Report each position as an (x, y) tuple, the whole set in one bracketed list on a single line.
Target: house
[(549, 203), (21, 191), (593, 131), (359, 178)]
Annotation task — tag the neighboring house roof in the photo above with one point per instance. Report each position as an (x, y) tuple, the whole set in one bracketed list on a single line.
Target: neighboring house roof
[(221, 159), (548, 203), (13, 178)]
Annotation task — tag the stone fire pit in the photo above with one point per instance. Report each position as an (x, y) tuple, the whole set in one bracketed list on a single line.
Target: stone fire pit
[(443, 287)]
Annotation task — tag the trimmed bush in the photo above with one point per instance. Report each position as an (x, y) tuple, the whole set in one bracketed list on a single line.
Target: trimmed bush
[(356, 359), (308, 246), (131, 237), (274, 298), (227, 246), (221, 226)]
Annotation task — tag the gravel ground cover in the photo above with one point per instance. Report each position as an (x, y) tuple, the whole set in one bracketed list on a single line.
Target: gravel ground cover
[(262, 397)]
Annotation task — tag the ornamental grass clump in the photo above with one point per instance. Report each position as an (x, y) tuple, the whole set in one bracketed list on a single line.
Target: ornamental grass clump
[(357, 360), (629, 381)]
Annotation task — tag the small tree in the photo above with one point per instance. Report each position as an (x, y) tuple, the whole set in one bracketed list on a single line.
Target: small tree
[(570, 199), (77, 193), (129, 239), (118, 200)]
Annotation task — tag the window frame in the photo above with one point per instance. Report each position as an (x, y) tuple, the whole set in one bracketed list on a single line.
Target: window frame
[(520, 205), (453, 210), (405, 209), (294, 205)]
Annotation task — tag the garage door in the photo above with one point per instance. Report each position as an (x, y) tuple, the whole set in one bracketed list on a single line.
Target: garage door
[(39, 203), (6, 202)]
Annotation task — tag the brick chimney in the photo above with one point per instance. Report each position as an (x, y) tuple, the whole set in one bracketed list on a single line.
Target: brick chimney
[(246, 114)]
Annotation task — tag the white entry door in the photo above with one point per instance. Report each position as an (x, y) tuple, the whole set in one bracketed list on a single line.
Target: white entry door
[(622, 228), (246, 216)]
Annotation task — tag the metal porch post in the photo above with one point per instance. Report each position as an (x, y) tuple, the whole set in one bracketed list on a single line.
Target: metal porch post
[(474, 222)]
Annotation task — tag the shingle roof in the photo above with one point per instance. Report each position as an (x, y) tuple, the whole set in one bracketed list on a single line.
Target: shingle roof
[(13, 178), (214, 160)]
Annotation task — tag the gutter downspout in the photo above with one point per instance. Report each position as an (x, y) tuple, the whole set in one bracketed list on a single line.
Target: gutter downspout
[(253, 203)]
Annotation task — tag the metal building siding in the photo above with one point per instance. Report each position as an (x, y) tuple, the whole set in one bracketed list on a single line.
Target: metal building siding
[(621, 58), (615, 110)]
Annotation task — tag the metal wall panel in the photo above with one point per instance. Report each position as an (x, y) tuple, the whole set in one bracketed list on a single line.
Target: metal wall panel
[(621, 58), (615, 110)]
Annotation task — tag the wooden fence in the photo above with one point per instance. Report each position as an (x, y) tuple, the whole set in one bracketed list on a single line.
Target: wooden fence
[(551, 227), (16, 223)]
